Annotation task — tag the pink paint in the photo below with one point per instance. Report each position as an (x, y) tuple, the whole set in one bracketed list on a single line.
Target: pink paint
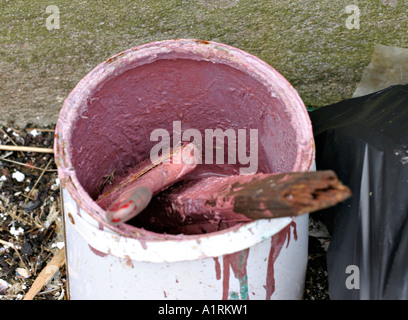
[(129, 261), (212, 199), (126, 205), (152, 176), (97, 252), (200, 94), (277, 242), (174, 212), (129, 195), (78, 210), (238, 263), (143, 243), (217, 268), (107, 119)]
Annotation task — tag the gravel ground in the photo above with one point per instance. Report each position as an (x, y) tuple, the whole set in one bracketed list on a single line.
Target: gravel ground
[(31, 229), (31, 225)]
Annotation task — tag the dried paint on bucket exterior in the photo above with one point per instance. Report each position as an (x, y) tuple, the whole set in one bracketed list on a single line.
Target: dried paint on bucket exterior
[(104, 125)]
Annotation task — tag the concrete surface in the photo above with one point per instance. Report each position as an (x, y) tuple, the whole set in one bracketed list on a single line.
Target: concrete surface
[(310, 42)]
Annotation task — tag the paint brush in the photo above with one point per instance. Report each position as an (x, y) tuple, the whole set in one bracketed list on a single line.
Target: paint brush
[(258, 196), (128, 196)]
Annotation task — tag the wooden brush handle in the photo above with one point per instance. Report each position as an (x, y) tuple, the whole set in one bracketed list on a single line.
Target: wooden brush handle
[(259, 196)]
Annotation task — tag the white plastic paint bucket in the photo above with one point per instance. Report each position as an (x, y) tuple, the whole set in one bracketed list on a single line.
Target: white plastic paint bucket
[(101, 127)]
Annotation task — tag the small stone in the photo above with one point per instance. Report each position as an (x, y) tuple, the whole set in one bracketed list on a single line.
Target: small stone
[(16, 232), (31, 205), (18, 176), (22, 273), (4, 285), (34, 132)]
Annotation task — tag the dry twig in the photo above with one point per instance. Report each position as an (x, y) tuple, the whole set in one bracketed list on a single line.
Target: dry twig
[(27, 165), (16, 217), (26, 149), (39, 129), (46, 274), (39, 178), (12, 141), (20, 257)]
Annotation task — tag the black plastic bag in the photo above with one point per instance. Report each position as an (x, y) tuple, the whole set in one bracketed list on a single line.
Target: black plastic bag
[(365, 141)]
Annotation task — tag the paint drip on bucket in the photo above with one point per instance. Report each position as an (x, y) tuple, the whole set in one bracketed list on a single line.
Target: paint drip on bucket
[(237, 261)]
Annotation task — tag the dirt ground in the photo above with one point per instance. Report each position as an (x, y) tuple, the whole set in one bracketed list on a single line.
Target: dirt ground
[(31, 229)]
